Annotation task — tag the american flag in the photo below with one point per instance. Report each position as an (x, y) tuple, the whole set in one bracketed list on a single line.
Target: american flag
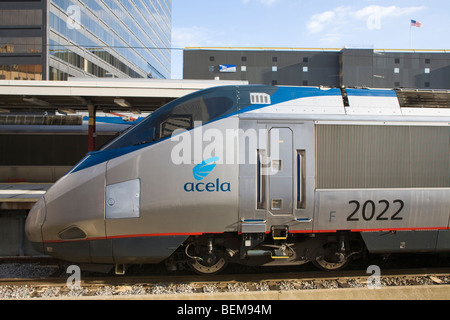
[(415, 23)]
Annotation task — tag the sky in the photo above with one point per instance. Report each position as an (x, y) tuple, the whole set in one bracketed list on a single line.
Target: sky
[(308, 24)]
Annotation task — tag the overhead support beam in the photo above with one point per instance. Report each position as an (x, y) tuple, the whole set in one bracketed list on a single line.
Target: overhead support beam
[(92, 134), (111, 94)]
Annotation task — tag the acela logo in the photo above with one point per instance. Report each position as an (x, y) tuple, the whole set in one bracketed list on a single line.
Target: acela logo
[(200, 172)]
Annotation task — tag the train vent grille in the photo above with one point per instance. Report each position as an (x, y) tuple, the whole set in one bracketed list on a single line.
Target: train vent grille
[(260, 98)]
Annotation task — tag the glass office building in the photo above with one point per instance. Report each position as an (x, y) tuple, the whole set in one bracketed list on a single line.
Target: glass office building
[(57, 39)]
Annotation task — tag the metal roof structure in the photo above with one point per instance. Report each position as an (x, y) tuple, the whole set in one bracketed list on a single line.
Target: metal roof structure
[(108, 94), (415, 98)]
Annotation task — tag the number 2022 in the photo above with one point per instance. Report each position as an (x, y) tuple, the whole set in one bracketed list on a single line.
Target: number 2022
[(368, 210)]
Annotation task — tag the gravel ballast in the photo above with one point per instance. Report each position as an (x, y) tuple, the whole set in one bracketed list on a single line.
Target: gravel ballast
[(35, 271)]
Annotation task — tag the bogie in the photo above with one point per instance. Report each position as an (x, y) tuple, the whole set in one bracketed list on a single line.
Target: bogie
[(211, 254)]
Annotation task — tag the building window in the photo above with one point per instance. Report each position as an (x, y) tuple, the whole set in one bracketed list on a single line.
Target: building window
[(305, 69), (274, 82), (26, 17), (274, 68), (397, 84), (211, 68), (396, 70), (243, 59), (21, 72), (305, 82), (427, 84), (243, 68), (211, 58), (427, 61), (56, 74), (21, 45), (305, 59), (397, 61), (427, 70), (274, 59)]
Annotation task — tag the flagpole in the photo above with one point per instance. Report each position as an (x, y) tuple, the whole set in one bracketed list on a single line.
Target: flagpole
[(410, 35), (414, 23)]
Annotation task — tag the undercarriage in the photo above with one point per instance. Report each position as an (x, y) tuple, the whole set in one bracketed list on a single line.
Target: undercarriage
[(211, 253)]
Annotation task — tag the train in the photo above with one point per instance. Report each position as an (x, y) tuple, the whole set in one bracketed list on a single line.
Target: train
[(61, 122), (261, 176)]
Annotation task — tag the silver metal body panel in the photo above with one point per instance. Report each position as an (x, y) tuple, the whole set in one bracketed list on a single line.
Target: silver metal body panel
[(403, 241), (381, 209), (123, 200), (271, 187), (77, 199), (166, 207), (368, 209)]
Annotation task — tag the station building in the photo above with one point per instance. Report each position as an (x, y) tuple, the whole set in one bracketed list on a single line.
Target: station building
[(374, 68), (57, 39)]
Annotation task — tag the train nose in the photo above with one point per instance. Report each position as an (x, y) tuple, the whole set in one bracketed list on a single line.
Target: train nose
[(33, 225)]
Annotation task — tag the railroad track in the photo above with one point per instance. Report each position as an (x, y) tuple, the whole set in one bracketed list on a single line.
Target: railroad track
[(200, 286)]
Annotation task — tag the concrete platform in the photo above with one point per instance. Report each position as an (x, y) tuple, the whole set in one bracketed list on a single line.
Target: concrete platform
[(21, 196), (23, 191), (15, 201)]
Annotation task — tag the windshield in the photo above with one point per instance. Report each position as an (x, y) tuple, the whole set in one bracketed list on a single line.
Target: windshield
[(204, 106)]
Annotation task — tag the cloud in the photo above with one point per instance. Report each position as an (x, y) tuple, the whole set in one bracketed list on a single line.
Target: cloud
[(320, 21), (372, 15), (383, 12)]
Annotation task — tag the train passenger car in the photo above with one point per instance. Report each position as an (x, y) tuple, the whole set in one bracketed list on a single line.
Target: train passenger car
[(259, 175)]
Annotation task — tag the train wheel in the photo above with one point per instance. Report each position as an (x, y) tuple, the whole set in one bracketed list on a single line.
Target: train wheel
[(209, 261), (201, 267), (332, 258)]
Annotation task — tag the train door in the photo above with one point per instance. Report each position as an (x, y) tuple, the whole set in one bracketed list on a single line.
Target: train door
[(280, 170), (304, 176), (277, 176)]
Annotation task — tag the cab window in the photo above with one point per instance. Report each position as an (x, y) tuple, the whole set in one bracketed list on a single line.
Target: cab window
[(175, 122), (201, 109), (203, 106)]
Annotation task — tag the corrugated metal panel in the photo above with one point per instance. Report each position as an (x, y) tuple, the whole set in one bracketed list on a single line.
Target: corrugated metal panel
[(363, 156), (387, 156), (415, 98), (430, 156)]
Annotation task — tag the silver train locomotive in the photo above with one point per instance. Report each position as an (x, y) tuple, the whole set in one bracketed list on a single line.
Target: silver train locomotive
[(258, 175)]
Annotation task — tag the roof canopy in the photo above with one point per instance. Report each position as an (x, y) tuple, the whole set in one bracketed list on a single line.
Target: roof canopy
[(108, 94)]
